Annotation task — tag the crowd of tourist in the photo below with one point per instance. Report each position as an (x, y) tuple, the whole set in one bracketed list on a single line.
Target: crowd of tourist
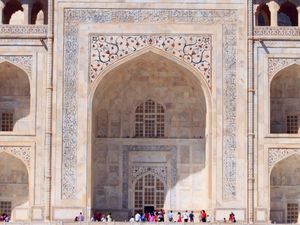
[(99, 217), (159, 216)]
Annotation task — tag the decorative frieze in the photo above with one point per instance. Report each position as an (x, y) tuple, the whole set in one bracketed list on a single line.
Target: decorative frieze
[(21, 152), (23, 61), (277, 64), (277, 31), (74, 17), (192, 49), (277, 154), (23, 29)]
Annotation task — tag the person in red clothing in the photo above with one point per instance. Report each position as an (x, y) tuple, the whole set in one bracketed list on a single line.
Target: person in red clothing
[(147, 216), (203, 216), (231, 218)]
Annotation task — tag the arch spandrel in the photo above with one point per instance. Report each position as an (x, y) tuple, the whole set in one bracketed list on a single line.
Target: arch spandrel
[(276, 155), (187, 49), (22, 153), (23, 63), (277, 65)]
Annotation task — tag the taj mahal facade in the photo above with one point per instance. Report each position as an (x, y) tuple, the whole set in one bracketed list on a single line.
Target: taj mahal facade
[(131, 105)]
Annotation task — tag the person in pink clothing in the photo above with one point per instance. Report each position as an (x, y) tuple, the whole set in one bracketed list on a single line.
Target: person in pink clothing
[(179, 219), (152, 217)]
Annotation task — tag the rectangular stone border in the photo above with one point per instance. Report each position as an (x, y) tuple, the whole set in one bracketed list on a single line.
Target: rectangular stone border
[(74, 17)]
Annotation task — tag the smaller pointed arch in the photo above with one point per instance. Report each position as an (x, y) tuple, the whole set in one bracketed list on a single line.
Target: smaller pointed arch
[(284, 186), (38, 13), (284, 98), (14, 180), (13, 7), (14, 98), (288, 14), (149, 193), (263, 15)]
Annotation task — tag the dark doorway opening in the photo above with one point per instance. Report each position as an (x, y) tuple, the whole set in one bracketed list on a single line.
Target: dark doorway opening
[(149, 209)]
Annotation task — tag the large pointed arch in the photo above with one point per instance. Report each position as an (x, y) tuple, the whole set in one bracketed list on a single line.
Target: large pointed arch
[(191, 73)]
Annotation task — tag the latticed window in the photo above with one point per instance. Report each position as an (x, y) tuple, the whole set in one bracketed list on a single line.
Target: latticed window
[(7, 121), (150, 120), (292, 212), (149, 191), (5, 207), (292, 124)]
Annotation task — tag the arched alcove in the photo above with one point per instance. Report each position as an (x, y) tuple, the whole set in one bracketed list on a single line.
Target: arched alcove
[(288, 14), (148, 193), (285, 190), (284, 100), (13, 7), (39, 12), (14, 183), (263, 15), (172, 94), (14, 98)]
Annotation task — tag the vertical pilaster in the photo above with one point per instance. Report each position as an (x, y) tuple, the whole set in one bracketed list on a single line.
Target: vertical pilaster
[(255, 19), (274, 7), (26, 13), (250, 119), (48, 133)]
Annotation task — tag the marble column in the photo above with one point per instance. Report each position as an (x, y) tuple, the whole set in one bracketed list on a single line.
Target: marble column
[(26, 13), (1, 11), (255, 6), (274, 7), (298, 9)]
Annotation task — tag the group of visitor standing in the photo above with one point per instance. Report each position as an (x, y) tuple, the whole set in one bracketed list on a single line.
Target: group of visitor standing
[(188, 216), (158, 216)]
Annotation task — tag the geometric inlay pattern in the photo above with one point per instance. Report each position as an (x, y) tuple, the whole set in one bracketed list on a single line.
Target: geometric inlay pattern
[(160, 171)]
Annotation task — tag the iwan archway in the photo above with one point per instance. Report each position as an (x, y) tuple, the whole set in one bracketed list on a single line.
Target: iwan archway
[(285, 190), (150, 118), (14, 184)]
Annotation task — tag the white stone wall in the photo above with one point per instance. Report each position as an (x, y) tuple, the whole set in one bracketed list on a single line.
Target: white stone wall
[(224, 89), (273, 62)]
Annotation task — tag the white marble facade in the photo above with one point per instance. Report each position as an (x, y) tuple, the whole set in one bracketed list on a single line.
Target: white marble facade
[(201, 97)]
